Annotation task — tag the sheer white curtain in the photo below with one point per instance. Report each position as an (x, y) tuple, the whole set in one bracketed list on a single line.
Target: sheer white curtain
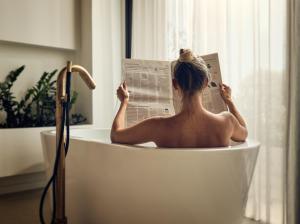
[(250, 37)]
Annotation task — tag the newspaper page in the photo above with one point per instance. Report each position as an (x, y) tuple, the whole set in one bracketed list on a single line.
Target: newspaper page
[(211, 97), (150, 90)]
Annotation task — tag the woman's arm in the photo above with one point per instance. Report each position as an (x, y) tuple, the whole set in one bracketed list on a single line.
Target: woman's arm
[(240, 131), (139, 133), (119, 121)]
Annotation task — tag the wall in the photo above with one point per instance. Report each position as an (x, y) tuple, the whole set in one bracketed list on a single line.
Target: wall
[(84, 58), (20, 149), (46, 23), (98, 48), (47, 43), (107, 57)]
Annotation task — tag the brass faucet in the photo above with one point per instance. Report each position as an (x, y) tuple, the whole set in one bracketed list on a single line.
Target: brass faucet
[(60, 98)]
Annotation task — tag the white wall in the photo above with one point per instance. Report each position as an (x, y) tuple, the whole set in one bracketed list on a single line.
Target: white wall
[(40, 34), (84, 58), (59, 21), (20, 149), (39, 22), (99, 49), (107, 56)]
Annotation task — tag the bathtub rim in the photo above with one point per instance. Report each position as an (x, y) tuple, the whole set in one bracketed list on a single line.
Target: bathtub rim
[(248, 144)]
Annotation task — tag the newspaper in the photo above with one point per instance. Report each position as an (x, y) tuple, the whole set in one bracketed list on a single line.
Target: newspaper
[(151, 92), (150, 89), (211, 97)]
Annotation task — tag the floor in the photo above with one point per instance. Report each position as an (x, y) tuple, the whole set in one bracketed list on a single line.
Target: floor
[(248, 221), (23, 208)]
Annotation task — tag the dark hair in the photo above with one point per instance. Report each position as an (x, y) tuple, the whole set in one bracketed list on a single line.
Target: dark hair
[(190, 73)]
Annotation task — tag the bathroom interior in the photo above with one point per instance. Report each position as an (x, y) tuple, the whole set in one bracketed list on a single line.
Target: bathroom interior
[(61, 63)]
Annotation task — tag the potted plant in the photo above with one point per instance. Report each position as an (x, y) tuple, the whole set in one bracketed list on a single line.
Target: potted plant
[(36, 108), (22, 121)]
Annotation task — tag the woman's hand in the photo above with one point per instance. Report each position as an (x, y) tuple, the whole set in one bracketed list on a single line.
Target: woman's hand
[(122, 92), (225, 93)]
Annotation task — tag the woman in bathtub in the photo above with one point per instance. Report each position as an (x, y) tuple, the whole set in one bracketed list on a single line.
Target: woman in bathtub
[(193, 126)]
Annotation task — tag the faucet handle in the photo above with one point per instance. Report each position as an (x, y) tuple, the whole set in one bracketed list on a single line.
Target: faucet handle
[(69, 66)]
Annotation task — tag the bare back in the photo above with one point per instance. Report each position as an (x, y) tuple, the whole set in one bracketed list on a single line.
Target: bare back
[(194, 130)]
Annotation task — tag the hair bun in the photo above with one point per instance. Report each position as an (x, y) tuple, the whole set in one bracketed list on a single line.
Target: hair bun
[(186, 55), (190, 71)]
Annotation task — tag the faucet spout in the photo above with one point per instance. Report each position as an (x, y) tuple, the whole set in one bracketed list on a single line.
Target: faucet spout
[(85, 75)]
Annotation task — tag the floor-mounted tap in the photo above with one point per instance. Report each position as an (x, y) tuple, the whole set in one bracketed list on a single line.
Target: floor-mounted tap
[(61, 97)]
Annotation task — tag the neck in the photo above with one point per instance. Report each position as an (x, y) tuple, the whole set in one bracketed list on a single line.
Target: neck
[(192, 104)]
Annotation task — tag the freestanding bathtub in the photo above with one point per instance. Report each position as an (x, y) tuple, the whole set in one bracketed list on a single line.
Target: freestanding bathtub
[(120, 184)]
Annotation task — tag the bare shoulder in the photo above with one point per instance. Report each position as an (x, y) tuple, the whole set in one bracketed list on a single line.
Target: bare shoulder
[(239, 132), (156, 121), (163, 123), (227, 117)]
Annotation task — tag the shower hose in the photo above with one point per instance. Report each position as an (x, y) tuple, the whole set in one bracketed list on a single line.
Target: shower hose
[(65, 123)]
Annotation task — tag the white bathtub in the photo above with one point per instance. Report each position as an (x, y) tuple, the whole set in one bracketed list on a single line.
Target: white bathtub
[(118, 184)]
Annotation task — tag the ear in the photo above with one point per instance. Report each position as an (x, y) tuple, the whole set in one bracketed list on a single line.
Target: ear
[(205, 83), (175, 84)]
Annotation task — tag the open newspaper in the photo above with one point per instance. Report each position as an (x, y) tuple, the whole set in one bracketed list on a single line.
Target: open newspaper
[(151, 92)]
